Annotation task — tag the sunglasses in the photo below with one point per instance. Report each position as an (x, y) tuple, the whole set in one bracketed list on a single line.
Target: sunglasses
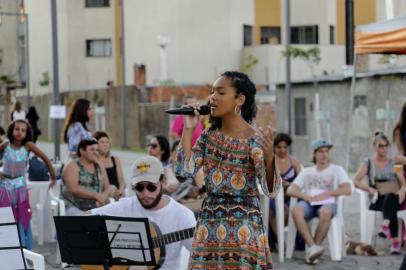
[(152, 145), (140, 187)]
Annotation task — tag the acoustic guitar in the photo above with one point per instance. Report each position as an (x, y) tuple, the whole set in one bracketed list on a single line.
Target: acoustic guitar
[(159, 241)]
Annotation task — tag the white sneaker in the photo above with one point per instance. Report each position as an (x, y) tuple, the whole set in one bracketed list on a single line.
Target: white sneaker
[(313, 252)]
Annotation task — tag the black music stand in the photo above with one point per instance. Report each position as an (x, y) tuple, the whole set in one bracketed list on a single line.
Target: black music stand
[(92, 240)]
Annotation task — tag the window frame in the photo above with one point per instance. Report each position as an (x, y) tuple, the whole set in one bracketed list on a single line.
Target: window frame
[(300, 118), (247, 26), (302, 32), (87, 47), (87, 5), (274, 31)]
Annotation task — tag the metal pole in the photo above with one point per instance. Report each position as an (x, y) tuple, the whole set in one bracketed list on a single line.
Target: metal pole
[(56, 97), (350, 116), (123, 89), (288, 69), (349, 32), (389, 8), (27, 63)]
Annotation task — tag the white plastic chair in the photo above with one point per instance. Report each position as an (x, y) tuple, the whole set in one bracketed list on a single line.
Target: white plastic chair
[(280, 220), (34, 260), (368, 218), (58, 209), (335, 234)]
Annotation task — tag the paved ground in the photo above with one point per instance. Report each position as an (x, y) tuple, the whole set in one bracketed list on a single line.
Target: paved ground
[(350, 262)]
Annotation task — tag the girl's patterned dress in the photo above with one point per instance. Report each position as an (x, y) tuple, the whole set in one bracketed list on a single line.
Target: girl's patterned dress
[(14, 192), (229, 232)]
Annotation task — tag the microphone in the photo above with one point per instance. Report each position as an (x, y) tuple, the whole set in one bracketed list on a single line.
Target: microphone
[(204, 110)]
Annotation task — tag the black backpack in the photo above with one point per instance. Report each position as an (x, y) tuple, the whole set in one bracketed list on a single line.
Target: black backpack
[(37, 170)]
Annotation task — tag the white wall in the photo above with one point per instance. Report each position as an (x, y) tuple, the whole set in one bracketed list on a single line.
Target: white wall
[(82, 24), (40, 49), (8, 46), (205, 37), (271, 64)]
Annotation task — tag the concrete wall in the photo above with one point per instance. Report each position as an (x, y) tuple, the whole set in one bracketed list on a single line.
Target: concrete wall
[(334, 98)]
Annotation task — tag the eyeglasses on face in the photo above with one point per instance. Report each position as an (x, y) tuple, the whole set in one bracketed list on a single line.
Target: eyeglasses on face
[(140, 187), (382, 145), (152, 145)]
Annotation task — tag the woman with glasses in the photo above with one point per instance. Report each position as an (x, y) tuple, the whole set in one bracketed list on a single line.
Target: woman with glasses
[(112, 165), (386, 187), (158, 147), (76, 124)]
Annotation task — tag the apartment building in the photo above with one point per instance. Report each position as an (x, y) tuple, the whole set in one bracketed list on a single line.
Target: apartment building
[(314, 23), (202, 39), (199, 45)]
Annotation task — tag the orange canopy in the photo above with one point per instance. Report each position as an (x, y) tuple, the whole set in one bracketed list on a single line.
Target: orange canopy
[(386, 37)]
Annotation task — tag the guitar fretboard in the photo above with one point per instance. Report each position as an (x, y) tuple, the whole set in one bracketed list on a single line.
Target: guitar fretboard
[(168, 238)]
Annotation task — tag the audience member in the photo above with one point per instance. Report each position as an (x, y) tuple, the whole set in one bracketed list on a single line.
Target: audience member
[(85, 184), (112, 165), (76, 125), (318, 187), (289, 167), (384, 187), (158, 147)]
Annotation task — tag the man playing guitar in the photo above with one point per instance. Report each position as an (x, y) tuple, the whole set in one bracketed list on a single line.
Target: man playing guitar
[(167, 215)]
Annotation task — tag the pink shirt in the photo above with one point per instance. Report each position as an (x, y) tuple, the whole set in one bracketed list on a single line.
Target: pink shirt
[(177, 128)]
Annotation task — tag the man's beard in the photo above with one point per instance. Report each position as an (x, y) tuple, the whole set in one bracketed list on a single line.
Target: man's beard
[(154, 203)]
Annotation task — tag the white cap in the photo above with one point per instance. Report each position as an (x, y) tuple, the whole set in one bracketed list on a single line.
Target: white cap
[(147, 168)]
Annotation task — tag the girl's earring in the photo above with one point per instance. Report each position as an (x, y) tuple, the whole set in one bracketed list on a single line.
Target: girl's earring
[(237, 110)]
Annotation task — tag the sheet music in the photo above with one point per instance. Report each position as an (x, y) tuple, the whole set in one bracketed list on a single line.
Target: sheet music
[(11, 259), (130, 235), (9, 236), (6, 215)]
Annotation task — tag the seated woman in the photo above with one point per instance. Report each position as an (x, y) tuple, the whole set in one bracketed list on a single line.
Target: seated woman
[(158, 147), (112, 165), (289, 168), (385, 186), (85, 184)]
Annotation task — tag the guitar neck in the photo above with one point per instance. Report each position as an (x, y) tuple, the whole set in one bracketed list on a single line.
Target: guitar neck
[(168, 238)]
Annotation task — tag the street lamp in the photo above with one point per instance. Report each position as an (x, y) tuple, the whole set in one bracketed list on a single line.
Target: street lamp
[(23, 19)]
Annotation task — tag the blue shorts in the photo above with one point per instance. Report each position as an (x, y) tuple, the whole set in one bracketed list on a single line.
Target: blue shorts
[(311, 211)]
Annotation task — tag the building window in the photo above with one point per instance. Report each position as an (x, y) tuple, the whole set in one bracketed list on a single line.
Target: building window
[(304, 34), (300, 116), (332, 34), (270, 35), (97, 3), (98, 47), (247, 35)]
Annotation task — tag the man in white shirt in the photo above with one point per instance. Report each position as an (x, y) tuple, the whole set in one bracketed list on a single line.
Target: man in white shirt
[(148, 181), (317, 189)]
